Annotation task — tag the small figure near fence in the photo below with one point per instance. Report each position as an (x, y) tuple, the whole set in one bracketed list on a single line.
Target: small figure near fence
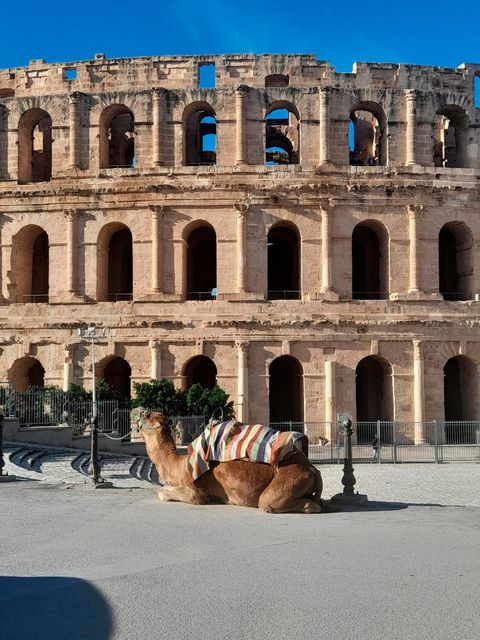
[(224, 470), (375, 448)]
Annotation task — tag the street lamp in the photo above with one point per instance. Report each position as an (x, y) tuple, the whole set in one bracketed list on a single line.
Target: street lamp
[(92, 333)]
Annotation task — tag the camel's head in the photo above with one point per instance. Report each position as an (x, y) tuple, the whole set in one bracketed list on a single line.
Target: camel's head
[(149, 423)]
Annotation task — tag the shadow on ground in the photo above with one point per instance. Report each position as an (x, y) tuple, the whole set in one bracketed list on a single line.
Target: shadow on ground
[(374, 505), (52, 608)]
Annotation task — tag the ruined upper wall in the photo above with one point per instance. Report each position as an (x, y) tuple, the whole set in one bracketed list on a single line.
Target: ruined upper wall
[(182, 72)]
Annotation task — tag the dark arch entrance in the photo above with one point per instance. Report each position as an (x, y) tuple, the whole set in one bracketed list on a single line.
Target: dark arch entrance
[(36, 375), (201, 370), (460, 399), (283, 247), (374, 396), (200, 135), (202, 264), (40, 255), (286, 390), (26, 372), (117, 137), (34, 146), (120, 267), (455, 261), (117, 373), (366, 134), (369, 262)]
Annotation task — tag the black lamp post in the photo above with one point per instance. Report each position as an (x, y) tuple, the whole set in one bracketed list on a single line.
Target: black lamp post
[(348, 497), (4, 477)]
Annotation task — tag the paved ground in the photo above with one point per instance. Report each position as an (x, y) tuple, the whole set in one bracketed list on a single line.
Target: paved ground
[(117, 564)]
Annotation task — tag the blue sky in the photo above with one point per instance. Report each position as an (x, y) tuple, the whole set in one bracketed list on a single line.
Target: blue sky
[(438, 33)]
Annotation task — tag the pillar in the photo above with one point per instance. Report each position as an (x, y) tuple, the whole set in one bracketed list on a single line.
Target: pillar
[(68, 353), (71, 252), (327, 284), (157, 254), (157, 126), (241, 209), (414, 262), (330, 400), (2, 221), (418, 391), (74, 129), (241, 125), (324, 151), (155, 359), (242, 384), (410, 98)]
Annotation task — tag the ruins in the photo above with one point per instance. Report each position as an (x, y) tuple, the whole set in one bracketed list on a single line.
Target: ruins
[(305, 237)]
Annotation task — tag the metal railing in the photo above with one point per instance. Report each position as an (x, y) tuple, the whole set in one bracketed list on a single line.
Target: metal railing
[(281, 294), (35, 298), (202, 295), (118, 297)]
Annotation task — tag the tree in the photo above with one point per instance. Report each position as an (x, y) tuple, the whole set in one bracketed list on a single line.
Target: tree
[(206, 402), (160, 395)]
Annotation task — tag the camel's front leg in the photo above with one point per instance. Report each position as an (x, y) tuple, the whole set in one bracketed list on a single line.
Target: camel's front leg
[(191, 495)]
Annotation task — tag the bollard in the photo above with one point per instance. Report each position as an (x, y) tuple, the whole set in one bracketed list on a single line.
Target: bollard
[(4, 477), (348, 497)]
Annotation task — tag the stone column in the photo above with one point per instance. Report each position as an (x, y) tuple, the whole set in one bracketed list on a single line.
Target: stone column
[(324, 121), (158, 113), (330, 400), (410, 98), (71, 216), (155, 359), (418, 391), (241, 210), (68, 353), (157, 253), (2, 284), (241, 125), (242, 384), (414, 263), (74, 130), (327, 280)]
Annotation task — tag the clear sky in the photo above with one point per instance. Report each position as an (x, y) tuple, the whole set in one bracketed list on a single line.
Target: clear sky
[(423, 32)]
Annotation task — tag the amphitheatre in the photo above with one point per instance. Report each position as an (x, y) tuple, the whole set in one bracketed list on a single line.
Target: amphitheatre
[(304, 237)]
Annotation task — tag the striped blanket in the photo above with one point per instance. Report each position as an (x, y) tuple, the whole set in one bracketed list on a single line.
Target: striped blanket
[(232, 440)]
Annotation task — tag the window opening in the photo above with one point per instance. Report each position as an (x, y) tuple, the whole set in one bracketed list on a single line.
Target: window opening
[(70, 74), (206, 76), (282, 136), (120, 267), (460, 400), (202, 264), (201, 138), (201, 370), (365, 139), (285, 390), (374, 398), (283, 264), (477, 92)]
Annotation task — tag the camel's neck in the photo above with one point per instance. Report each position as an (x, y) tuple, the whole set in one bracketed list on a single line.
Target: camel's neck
[(168, 462)]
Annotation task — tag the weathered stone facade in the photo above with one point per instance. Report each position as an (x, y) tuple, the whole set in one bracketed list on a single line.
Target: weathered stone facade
[(107, 182)]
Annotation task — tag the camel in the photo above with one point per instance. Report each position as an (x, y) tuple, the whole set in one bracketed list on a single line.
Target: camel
[(294, 485)]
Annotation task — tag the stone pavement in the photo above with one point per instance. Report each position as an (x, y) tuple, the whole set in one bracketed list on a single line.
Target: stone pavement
[(119, 565), (444, 484)]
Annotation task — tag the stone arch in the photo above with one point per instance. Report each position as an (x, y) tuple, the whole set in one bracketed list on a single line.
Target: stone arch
[(284, 262), (286, 399), (30, 264), (114, 263), (460, 384), (282, 133), (200, 370), (450, 137), (374, 394), (25, 372), (117, 137), (34, 146), (370, 261), (455, 261), (200, 241), (368, 134), (199, 134), (117, 372)]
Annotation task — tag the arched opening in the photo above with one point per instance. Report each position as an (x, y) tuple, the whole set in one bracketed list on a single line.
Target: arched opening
[(286, 390), (455, 261), (374, 397), (200, 135), (282, 134), (367, 135), (115, 263), (34, 146), (370, 270), (200, 370), (450, 127), (117, 374), (201, 246), (460, 379), (277, 80), (26, 372), (30, 264), (283, 246), (117, 137)]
